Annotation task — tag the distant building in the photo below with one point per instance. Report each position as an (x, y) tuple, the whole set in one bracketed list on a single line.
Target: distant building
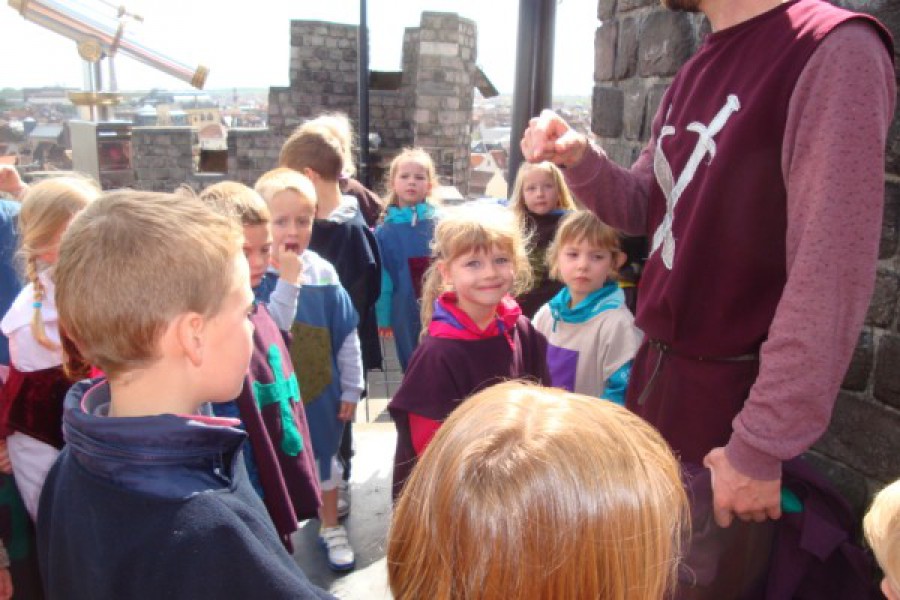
[(495, 137), (46, 96), (173, 109)]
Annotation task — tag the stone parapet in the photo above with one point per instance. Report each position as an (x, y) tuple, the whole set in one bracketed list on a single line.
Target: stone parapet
[(164, 157)]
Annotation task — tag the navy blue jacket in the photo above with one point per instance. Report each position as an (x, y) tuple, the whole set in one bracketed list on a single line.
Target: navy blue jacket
[(156, 507), (344, 240)]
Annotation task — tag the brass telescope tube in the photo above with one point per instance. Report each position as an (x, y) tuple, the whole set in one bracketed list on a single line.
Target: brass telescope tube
[(74, 23)]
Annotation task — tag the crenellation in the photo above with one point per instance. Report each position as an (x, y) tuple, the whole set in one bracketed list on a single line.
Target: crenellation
[(432, 108)]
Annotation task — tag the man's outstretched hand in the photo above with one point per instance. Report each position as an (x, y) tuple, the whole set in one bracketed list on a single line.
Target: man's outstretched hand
[(549, 137)]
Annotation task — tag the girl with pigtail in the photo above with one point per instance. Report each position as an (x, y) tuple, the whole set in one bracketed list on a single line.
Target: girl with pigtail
[(476, 335), (31, 408)]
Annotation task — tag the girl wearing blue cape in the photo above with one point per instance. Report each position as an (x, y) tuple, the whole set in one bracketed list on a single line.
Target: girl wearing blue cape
[(404, 239)]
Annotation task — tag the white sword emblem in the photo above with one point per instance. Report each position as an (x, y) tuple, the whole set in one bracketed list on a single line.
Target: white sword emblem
[(673, 190)]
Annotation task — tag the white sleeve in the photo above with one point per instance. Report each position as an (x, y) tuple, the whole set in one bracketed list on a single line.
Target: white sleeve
[(542, 320), (349, 362), (283, 304), (31, 460)]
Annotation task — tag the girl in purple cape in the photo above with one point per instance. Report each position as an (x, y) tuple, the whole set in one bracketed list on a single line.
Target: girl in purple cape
[(476, 334)]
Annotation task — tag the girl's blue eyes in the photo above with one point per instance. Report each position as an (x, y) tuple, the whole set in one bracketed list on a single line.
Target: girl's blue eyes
[(593, 256), (500, 260)]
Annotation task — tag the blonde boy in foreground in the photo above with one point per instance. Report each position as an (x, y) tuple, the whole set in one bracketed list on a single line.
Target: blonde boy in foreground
[(882, 528), (149, 499)]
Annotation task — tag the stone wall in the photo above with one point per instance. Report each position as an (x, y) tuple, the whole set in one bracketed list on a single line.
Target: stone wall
[(389, 116), (252, 152), (445, 88), (638, 48), (323, 75), (164, 157), (432, 108)]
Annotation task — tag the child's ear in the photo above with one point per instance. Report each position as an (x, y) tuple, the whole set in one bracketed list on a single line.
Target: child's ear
[(188, 335), (620, 260), (310, 174), (444, 272)]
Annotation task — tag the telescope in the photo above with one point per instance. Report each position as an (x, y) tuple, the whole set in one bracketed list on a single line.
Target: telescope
[(99, 35)]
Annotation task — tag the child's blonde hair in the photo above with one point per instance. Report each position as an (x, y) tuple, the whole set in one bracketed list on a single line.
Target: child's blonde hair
[(413, 155), (236, 199), (133, 261), (563, 195), (313, 146), (583, 225), (46, 210), (882, 528), (529, 492), (470, 228), (278, 180)]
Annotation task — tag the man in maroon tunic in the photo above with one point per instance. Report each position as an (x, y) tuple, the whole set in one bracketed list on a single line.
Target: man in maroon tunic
[(761, 190)]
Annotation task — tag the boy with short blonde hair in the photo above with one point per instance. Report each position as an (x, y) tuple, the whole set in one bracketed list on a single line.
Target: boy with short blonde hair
[(282, 178), (882, 527), (149, 498), (278, 454), (120, 330), (310, 301), (233, 198)]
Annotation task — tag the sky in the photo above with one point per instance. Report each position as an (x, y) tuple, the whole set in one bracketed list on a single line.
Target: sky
[(246, 44)]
